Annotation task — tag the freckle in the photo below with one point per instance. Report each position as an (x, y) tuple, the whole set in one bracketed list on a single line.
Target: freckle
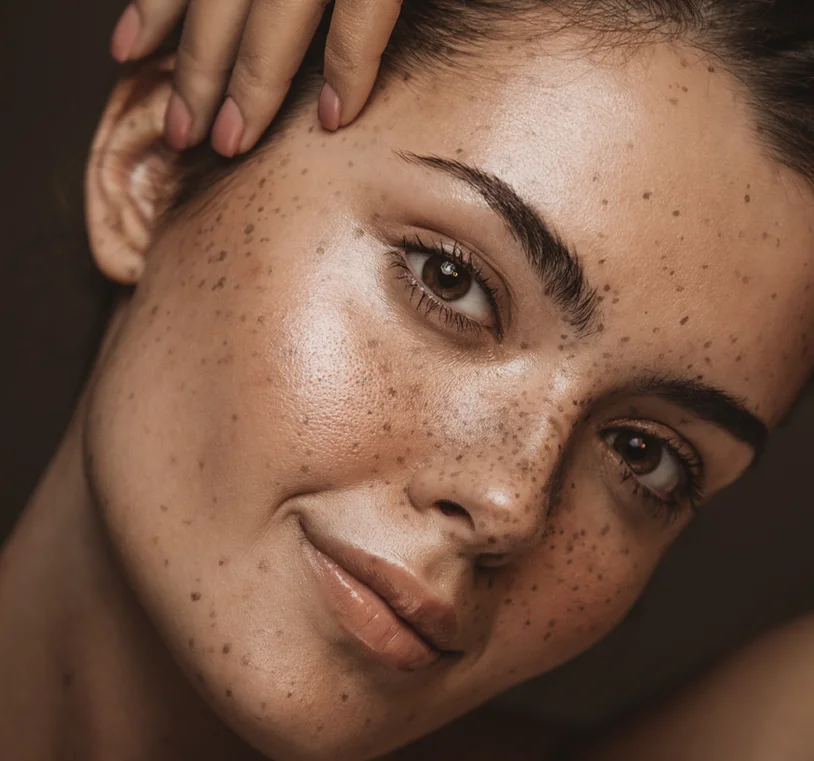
[(647, 196), (228, 693), (248, 229), (194, 596), (344, 697), (677, 213), (227, 649), (747, 198), (684, 320), (191, 643), (674, 101), (263, 566)]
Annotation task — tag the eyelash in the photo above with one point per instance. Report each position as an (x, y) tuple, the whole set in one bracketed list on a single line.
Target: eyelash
[(428, 301), (691, 492)]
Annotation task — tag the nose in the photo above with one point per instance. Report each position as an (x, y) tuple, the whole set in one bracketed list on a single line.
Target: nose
[(495, 510)]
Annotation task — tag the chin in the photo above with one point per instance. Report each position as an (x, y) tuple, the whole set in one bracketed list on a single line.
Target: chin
[(314, 733)]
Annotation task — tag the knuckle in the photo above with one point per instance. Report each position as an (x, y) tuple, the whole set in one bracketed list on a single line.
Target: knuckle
[(200, 85), (343, 58), (194, 55), (253, 73)]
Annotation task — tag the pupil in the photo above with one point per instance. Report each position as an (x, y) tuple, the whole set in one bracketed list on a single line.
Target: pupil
[(638, 448), (642, 453), (445, 278)]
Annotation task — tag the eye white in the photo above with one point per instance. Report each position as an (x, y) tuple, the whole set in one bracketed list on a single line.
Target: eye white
[(475, 304)]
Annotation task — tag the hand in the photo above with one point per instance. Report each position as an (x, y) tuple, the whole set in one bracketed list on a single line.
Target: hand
[(249, 51)]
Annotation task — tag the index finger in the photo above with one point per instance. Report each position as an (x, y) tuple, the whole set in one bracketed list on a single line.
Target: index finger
[(359, 33)]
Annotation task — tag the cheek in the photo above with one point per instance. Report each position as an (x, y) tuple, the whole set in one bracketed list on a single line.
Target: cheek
[(568, 594), (250, 368)]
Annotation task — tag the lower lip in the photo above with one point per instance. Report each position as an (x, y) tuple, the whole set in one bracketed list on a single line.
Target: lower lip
[(368, 619)]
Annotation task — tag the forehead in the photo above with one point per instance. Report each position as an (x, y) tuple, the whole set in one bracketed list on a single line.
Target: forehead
[(649, 165)]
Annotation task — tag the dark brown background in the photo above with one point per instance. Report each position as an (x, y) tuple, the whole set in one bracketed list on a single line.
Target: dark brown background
[(744, 564)]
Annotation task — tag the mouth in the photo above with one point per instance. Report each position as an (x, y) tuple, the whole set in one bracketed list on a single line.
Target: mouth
[(385, 607)]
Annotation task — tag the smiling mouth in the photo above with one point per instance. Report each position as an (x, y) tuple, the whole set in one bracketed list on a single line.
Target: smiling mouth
[(384, 608)]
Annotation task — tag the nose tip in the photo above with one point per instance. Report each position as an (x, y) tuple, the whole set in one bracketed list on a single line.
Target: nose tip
[(495, 514)]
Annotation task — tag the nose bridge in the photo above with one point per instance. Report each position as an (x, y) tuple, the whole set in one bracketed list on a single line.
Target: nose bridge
[(500, 483)]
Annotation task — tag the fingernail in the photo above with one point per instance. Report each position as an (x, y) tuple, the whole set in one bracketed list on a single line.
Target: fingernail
[(177, 123), (330, 108), (125, 34), (227, 130)]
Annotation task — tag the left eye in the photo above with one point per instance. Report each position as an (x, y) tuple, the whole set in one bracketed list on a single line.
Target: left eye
[(453, 283), (651, 460)]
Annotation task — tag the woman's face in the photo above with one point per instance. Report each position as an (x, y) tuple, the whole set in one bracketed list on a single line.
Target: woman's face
[(369, 368)]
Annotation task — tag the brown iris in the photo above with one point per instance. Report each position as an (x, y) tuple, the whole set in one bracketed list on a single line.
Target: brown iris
[(642, 453), (445, 278)]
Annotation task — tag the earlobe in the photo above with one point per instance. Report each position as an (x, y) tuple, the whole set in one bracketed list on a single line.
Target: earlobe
[(130, 173)]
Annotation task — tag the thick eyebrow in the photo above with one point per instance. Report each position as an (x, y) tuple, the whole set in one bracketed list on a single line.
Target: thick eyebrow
[(557, 266), (711, 404)]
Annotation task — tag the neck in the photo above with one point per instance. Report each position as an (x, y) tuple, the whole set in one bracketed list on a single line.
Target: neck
[(85, 674)]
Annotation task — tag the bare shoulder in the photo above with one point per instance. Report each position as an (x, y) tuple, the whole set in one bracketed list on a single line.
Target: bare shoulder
[(757, 704)]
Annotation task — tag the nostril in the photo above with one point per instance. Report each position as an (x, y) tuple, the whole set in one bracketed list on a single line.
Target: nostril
[(453, 510)]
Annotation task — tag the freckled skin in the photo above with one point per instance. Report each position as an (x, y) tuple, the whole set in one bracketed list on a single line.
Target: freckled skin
[(298, 379)]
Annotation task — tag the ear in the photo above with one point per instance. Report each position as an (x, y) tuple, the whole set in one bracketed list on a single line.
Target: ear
[(131, 172)]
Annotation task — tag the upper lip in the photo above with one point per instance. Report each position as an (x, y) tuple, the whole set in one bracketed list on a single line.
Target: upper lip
[(412, 600)]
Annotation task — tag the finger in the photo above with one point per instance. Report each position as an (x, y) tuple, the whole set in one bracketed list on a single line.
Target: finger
[(277, 36), (143, 26), (360, 30), (209, 44)]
